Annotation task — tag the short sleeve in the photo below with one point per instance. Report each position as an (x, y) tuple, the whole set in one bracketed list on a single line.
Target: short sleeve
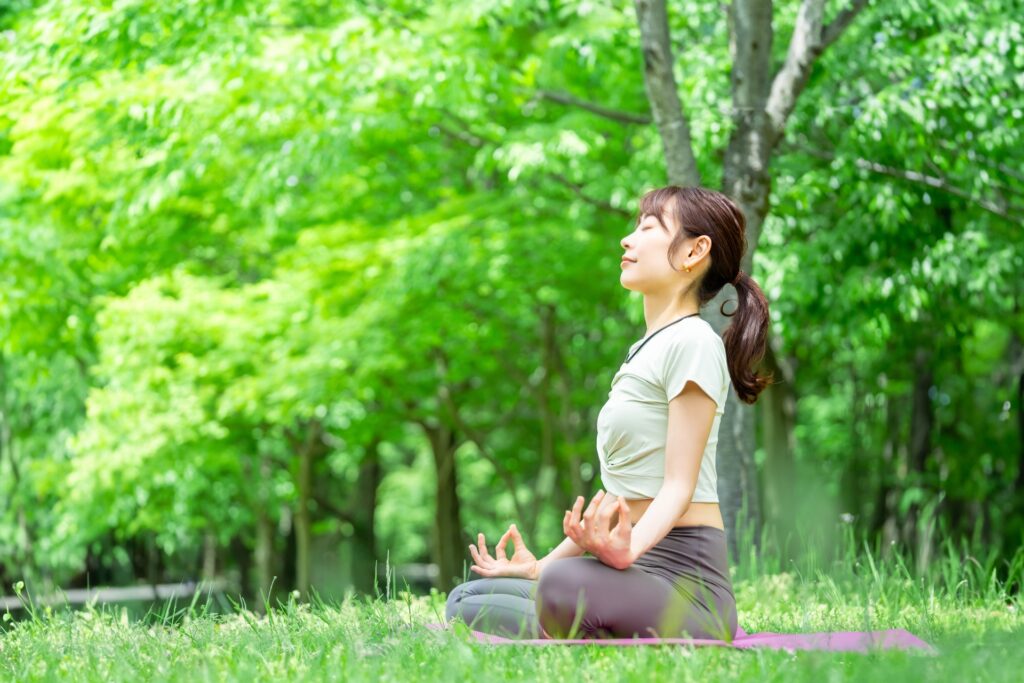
[(695, 358)]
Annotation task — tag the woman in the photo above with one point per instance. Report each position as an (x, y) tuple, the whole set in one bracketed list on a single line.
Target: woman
[(658, 565)]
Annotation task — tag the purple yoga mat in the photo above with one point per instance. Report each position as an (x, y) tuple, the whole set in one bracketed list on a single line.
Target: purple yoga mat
[(835, 641)]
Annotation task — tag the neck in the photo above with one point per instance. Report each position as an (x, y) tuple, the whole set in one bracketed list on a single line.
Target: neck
[(660, 311)]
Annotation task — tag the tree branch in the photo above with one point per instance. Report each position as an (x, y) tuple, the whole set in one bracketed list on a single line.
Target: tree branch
[(663, 93), (835, 28), (471, 138), (1007, 211), (809, 40), (461, 135), (600, 110), (578, 189), (333, 509)]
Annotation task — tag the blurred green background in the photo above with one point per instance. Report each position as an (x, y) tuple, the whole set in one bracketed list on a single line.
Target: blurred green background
[(298, 289)]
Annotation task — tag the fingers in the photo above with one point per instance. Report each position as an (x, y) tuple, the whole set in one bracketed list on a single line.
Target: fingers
[(605, 510), (595, 504), (484, 564), (499, 550), (517, 540), (576, 508), (475, 554), (479, 552), (571, 522), (481, 544), (625, 527)]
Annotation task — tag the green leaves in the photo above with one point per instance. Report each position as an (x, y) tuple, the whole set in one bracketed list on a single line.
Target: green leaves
[(221, 223)]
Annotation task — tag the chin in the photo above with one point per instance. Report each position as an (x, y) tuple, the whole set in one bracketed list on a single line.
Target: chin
[(631, 286)]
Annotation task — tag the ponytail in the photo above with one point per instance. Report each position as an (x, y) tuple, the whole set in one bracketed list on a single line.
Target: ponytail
[(746, 337)]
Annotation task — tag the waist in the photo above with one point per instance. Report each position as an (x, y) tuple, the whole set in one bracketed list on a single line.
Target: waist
[(697, 514)]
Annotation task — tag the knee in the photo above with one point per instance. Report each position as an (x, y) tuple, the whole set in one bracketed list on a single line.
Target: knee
[(562, 581), (558, 596), (451, 607)]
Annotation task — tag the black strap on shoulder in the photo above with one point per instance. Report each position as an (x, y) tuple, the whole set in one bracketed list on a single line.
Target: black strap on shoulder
[(631, 356)]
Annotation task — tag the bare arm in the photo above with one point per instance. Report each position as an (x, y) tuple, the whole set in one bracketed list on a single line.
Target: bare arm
[(567, 548), (690, 415)]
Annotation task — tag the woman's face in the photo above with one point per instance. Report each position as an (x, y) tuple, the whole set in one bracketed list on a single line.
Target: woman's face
[(645, 267)]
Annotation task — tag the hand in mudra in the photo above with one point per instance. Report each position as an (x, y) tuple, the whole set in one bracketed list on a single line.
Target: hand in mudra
[(594, 532), (522, 564)]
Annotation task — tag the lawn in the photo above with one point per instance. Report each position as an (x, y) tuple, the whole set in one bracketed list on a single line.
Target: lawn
[(960, 607)]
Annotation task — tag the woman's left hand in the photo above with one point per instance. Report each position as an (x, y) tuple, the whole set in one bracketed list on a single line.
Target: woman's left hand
[(594, 533)]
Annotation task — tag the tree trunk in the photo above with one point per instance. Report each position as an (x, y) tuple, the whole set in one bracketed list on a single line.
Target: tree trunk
[(571, 422), (209, 556), (302, 522), (152, 560), (264, 555), (737, 475), (884, 521), (921, 424), (1013, 520), (286, 576), (547, 475), (1017, 351), (364, 545), (448, 539), (777, 420), (242, 558), (307, 442), (22, 553)]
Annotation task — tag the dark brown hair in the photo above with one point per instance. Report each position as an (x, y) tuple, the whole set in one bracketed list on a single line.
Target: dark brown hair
[(700, 211)]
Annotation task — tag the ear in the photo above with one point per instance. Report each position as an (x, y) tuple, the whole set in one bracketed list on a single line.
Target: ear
[(702, 245)]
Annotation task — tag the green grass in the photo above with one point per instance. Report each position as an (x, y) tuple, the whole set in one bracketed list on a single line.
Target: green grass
[(963, 606)]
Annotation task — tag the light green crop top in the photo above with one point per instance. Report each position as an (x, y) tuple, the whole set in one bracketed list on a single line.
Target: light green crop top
[(633, 423)]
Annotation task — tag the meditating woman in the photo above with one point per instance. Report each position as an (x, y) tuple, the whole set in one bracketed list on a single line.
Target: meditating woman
[(658, 564)]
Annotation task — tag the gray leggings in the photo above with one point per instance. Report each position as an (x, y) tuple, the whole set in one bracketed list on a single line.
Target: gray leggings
[(679, 587)]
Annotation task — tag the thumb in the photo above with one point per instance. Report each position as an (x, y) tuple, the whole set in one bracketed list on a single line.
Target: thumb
[(625, 526)]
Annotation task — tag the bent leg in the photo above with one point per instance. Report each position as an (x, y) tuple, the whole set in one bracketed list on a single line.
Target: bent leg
[(502, 606), (582, 595)]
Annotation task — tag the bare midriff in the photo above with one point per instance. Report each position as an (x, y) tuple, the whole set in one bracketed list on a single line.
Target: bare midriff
[(698, 514)]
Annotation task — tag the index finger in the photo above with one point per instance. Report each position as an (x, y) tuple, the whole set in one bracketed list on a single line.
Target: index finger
[(624, 528), (499, 550), (574, 514), (595, 505), (606, 508)]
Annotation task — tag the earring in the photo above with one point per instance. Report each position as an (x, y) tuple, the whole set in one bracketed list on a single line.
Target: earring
[(687, 270)]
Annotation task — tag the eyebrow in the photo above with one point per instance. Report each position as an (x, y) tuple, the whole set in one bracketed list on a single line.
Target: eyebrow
[(656, 219)]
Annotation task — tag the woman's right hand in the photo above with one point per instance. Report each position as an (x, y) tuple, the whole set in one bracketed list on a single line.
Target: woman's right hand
[(522, 564)]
